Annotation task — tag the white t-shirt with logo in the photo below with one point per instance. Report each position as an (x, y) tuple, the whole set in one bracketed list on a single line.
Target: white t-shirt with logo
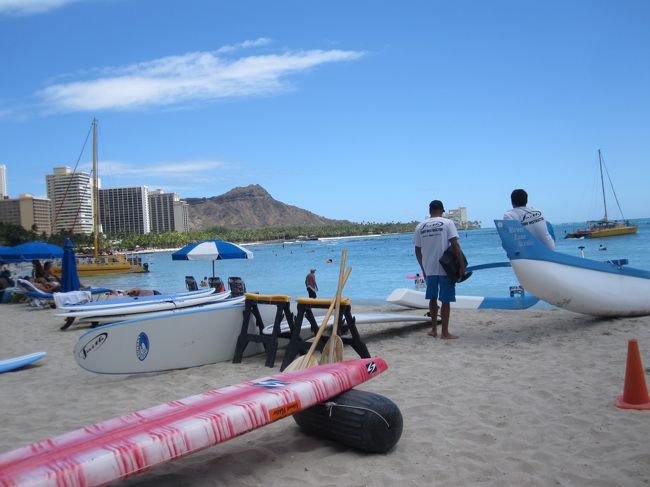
[(532, 219), (432, 236)]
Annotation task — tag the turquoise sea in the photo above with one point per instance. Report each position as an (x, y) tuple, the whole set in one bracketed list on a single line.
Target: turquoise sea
[(379, 264)]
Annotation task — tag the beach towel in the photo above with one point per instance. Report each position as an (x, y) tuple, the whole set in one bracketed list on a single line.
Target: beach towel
[(72, 297)]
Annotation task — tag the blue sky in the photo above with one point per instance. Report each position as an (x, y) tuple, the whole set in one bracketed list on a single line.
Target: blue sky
[(360, 110)]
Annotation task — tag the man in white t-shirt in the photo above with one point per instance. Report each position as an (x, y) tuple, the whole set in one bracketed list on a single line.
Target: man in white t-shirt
[(531, 218), (432, 237)]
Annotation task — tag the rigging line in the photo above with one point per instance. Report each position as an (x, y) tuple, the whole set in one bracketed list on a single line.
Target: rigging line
[(65, 193), (611, 184)]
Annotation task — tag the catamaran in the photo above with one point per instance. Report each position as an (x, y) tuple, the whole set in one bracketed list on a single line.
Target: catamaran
[(115, 263), (604, 227)]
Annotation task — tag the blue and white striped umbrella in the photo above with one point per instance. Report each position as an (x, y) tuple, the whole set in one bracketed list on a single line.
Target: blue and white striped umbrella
[(212, 250)]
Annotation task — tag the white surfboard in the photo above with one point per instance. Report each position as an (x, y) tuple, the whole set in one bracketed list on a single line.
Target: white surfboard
[(359, 319), (103, 320), (170, 340), (411, 298), (145, 307), (135, 300)]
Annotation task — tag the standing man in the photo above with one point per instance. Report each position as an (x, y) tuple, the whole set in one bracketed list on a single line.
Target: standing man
[(432, 237), (310, 282), (531, 218)]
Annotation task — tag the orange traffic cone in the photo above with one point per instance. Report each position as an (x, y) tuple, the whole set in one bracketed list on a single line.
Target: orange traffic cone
[(635, 391)]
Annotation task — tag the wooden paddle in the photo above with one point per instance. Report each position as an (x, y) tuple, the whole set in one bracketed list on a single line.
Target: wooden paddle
[(333, 349), (308, 360)]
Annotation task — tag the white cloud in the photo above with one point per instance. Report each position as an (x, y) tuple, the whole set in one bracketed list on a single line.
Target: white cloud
[(262, 41), (192, 77), (26, 7), (160, 170)]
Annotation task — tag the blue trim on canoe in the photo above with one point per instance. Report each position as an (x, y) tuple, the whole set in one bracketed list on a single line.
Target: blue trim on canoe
[(166, 313), (491, 265), (517, 302), (519, 243)]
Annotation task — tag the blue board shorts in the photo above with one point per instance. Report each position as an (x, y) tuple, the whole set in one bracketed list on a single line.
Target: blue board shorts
[(447, 289)]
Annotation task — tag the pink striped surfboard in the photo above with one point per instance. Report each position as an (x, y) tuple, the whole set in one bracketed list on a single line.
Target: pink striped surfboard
[(131, 444)]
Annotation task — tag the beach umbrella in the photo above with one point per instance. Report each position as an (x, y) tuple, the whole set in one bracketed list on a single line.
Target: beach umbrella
[(212, 250), (4, 249), (33, 250), (69, 276)]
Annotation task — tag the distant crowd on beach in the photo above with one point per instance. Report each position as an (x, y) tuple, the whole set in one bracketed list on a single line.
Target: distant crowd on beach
[(43, 279)]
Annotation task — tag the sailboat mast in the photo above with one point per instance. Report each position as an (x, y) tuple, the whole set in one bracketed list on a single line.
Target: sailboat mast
[(602, 182), (95, 194)]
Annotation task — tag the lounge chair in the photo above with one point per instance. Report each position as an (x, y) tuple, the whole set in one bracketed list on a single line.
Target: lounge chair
[(217, 284), (41, 299), (236, 286), (191, 284)]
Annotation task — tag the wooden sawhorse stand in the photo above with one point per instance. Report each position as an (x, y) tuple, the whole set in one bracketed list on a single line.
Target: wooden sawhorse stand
[(299, 346), (270, 342)]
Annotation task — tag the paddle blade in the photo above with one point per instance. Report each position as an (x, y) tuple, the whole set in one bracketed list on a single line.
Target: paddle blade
[(332, 351), (303, 362)]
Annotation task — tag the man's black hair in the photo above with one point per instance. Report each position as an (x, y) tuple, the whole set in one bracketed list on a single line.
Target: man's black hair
[(519, 198)]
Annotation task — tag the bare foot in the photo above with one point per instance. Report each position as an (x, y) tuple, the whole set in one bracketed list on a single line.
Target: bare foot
[(432, 334), (449, 336)]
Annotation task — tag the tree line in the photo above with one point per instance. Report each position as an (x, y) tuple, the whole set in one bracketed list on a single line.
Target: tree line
[(15, 234)]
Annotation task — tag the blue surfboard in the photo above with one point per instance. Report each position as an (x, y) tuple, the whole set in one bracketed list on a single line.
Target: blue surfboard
[(17, 362)]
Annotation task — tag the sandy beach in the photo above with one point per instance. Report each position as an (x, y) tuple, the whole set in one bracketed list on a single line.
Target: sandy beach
[(522, 398)]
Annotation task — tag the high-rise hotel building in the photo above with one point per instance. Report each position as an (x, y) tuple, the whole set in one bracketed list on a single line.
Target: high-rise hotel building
[(168, 213), (28, 212), (3, 182), (124, 210), (70, 194)]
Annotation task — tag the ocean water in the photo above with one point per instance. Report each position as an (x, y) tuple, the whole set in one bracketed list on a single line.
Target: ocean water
[(379, 264)]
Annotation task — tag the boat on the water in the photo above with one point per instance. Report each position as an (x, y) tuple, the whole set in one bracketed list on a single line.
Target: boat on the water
[(604, 227), (97, 264), (599, 288)]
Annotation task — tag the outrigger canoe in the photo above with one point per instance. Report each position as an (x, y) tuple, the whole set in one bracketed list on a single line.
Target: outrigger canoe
[(591, 287)]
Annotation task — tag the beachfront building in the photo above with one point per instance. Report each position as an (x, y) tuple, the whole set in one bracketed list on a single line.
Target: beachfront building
[(28, 212), (181, 216), (71, 199), (124, 210), (168, 213), (459, 216), (3, 182)]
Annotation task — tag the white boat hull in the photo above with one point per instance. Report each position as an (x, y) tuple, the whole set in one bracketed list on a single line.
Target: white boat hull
[(609, 288), (584, 290)]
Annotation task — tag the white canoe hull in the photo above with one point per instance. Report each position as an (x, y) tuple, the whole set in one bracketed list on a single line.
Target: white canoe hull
[(598, 293), (598, 288)]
